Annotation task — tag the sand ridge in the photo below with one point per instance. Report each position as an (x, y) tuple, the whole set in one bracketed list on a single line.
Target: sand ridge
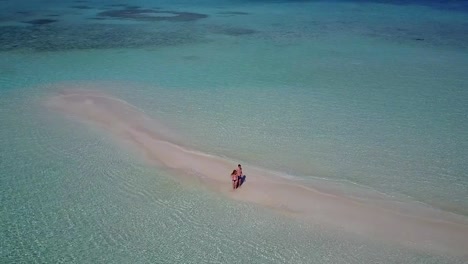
[(131, 127)]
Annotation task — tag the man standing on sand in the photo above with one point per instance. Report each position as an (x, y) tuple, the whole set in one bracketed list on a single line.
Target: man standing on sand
[(239, 175)]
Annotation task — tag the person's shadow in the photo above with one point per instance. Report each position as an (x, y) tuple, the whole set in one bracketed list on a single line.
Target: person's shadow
[(243, 179)]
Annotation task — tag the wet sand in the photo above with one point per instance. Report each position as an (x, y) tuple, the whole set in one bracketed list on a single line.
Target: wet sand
[(421, 228)]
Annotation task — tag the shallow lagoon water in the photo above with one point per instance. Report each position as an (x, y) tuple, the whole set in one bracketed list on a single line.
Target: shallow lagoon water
[(311, 95)]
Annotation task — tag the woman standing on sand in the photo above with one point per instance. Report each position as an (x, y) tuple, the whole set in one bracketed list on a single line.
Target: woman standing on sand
[(234, 179)]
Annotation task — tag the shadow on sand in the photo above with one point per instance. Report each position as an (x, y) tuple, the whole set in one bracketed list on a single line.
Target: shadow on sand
[(243, 179)]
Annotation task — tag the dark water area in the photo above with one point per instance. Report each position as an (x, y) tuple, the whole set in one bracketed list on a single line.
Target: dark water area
[(455, 5), (53, 25)]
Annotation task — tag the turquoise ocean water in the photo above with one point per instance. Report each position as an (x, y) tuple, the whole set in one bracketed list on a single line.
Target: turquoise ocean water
[(366, 96)]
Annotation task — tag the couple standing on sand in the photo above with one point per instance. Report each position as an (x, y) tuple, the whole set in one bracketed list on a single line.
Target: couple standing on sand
[(236, 177)]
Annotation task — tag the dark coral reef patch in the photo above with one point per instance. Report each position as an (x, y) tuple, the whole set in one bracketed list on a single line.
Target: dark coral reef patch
[(132, 7), (233, 13), (26, 13), (235, 31), (57, 37), (151, 15), (39, 22), (81, 7), (232, 31)]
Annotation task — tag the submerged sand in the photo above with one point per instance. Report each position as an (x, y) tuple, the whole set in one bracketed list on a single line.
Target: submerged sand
[(419, 227)]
